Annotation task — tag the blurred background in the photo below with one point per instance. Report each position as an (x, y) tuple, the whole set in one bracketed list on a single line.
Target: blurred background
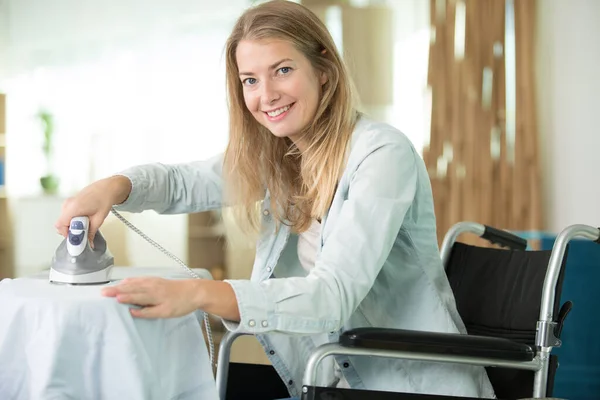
[(499, 96)]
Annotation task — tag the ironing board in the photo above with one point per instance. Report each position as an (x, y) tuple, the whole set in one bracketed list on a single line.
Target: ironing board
[(60, 341)]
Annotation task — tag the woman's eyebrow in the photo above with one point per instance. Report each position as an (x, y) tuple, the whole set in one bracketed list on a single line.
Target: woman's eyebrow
[(271, 67)]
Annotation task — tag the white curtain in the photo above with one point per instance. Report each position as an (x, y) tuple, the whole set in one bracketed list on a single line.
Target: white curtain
[(411, 108)]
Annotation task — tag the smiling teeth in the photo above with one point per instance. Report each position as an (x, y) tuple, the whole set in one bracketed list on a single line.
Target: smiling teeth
[(278, 111)]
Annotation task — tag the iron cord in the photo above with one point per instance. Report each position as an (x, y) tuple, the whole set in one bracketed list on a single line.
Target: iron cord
[(211, 346)]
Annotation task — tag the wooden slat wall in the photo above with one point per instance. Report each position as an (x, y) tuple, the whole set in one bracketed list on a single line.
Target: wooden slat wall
[(469, 183), (527, 169)]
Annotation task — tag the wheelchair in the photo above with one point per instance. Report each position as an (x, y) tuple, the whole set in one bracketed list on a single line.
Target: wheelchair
[(511, 336)]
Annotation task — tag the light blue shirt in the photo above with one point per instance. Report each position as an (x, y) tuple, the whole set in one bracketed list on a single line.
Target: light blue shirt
[(378, 266)]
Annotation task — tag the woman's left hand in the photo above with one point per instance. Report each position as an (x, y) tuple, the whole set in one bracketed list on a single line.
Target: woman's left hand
[(159, 297)]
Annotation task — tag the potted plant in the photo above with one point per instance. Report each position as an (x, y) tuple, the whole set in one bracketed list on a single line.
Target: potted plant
[(49, 181)]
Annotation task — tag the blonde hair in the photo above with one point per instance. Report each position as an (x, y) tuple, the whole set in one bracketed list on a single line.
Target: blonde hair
[(301, 186)]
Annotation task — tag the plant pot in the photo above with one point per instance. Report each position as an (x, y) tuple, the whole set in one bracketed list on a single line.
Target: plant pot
[(49, 184)]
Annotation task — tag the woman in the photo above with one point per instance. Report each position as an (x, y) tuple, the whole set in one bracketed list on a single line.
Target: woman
[(346, 221)]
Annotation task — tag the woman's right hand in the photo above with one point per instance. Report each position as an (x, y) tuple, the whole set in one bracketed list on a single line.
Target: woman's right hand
[(95, 202)]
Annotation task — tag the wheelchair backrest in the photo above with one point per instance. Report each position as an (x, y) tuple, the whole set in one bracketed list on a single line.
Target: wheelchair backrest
[(498, 293)]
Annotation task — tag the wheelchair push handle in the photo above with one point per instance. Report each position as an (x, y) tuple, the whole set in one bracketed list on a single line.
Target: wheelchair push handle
[(504, 238)]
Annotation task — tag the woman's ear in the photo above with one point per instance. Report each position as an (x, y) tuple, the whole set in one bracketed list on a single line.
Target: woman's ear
[(323, 78)]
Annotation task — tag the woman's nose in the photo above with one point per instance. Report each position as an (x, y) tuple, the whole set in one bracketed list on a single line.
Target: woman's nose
[(270, 93)]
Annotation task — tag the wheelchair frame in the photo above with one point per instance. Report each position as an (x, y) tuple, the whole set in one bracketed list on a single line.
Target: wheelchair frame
[(545, 339)]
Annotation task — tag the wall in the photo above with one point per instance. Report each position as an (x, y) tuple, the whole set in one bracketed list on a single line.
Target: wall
[(568, 84), (3, 36), (567, 55), (109, 71), (109, 74)]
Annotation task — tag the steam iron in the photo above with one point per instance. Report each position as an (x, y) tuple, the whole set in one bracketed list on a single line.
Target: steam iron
[(76, 263)]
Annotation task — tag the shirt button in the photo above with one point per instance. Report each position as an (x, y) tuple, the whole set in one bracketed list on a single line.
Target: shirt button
[(264, 324), (346, 365), (290, 382), (251, 322), (269, 269), (272, 352), (266, 212)]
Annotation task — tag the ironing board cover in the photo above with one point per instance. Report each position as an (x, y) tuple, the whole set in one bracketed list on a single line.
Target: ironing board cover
[(59, 341)]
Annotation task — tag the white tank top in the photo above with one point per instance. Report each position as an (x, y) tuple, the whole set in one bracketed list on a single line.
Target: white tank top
[(308, 246)]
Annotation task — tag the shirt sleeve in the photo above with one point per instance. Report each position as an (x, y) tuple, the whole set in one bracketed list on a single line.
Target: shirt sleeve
[(175, 189), (381, 191)]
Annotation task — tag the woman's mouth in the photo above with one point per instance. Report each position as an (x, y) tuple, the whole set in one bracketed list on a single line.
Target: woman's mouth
[(279, 113)]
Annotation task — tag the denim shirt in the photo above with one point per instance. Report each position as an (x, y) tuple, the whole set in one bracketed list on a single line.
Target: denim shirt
[(378, 266)]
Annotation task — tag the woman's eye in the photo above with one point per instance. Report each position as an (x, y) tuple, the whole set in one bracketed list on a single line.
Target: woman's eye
[(285, 70), (249, 81)]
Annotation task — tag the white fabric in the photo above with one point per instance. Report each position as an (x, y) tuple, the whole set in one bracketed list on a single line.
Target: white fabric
[(69, 342), (308, 245)]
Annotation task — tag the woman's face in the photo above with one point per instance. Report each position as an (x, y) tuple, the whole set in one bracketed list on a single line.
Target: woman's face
[(281, 88)]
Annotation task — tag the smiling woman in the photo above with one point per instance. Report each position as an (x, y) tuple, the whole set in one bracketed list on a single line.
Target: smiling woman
[(295, 87), (346, 229), (282, 95)]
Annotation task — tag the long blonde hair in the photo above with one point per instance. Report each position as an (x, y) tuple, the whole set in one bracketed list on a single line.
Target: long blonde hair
[(301, 186)]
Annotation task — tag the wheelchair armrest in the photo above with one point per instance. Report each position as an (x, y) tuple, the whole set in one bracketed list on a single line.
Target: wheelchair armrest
[(437, 343)]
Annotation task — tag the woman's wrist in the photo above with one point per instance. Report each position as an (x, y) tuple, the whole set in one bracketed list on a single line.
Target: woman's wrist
[(198, 293), (215, 297)]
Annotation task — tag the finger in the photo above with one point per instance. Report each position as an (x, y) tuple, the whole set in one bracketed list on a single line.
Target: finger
[(140, 299), (148, 312), (91, 235), (136, 283), (96, 222), (111, 291), (126, 286), (62, 230), (65, 216), (133, 284)]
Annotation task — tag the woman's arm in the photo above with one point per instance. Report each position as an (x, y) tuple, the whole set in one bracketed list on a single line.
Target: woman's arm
[(168, 298), (174, 189)]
